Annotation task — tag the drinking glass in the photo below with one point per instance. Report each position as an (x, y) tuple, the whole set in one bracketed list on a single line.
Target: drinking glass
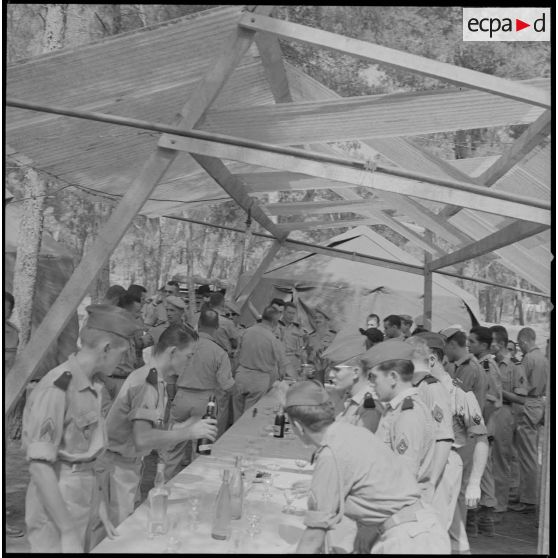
[(268, 483), (301, 463), (290, 497), (236, 542), (173, 541), (254, 520), (194, 502)]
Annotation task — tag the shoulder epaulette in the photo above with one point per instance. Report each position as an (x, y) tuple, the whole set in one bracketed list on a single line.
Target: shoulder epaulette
[(457, 382), (332, 331), (430, 379), (486, 365), (63, 380), (407, 404), (368, 402), (152, 377)]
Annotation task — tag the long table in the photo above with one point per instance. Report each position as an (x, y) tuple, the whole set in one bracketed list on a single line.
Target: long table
[(280, 532)]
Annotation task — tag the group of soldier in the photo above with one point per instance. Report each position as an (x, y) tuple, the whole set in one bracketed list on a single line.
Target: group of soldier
[(432, 427)]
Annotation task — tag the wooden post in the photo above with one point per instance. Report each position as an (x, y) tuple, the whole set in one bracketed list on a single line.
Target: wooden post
[(544, 489), (133, 200), (427, 312)]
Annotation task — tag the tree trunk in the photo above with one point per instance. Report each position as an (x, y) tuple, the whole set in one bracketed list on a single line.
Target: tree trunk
[(55, 25), (191, 285), (28, 249)]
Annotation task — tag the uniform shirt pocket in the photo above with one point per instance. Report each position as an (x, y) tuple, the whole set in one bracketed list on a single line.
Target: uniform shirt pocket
[(80, 432)]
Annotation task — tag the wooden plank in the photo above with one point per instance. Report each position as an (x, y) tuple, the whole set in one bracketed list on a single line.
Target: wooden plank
[(265, 182), (528, 140), (237, 190), (321, 225), (321, 207), (272, 60), (141, 188), (427, 301), (397, 59), (531, 210), (254, 281), (508, 235)]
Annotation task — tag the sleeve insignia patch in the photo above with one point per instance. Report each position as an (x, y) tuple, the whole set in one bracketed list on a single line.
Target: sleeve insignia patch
[(477, 419), (522, 379), (437, 413), (46, 433), (402, 446)]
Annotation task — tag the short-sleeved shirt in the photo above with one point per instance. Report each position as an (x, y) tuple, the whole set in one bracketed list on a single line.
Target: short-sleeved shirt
[(138, 399), (154, 313), (226, 334), (355, 413), (512, 376), (130, 357), (354, 469), (11, 341), (410, 432), (64, 424), (437, 400), (494, 391), (466, 412), (472, 377), (294, 339), (318, 343), (537, 370), (209, 368), (260, 350)]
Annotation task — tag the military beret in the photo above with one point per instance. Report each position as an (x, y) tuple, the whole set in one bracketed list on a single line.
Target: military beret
[(308, 392), (320, 311), (433, 340), (406, 318), (392, 349), (176, 301), (112, 319), (451, 330)]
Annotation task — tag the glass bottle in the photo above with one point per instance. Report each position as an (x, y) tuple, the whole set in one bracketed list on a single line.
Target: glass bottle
[(203, 446), (279, 426), (222, 515), (237, 490), (158, 498)]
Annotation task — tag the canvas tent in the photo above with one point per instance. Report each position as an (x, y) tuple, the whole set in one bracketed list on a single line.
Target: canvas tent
[(335, 285)]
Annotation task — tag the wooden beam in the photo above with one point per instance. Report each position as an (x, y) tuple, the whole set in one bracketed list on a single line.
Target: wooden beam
[(427, 301), (518, 207), (528, 140), (141, 188), (508, 235), (320, 207), (265, 182), (272, 60), (398, 59), (237, 191), (254, 281), (320, 225)]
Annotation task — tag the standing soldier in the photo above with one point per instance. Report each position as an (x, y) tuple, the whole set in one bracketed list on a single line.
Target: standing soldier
[(155, 311), (294, 338), (536, 371), (406, 325), (318, 341), (357, 476), (207, 373), (514, 389), (227, 335), (406, 426), (262, 360), (135, 420), (64, 433), (279, 305)]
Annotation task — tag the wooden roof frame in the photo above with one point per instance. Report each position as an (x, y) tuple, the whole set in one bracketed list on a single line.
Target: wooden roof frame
[(210, 149)]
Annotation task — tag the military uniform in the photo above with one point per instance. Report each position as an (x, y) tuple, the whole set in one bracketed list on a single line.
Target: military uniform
[(261, 360), (11, 341), (536, 368), (362, 409), (513, 381), (142, 397), (317, 343), (63, 426), (357, 476), (294, 339), (154, 313), (472, 377), (207, 373)]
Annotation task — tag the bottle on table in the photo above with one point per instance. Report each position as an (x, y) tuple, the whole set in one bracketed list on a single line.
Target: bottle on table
[(237, 490), (158, 498), (203, 446), (279, 426), (220, 528)]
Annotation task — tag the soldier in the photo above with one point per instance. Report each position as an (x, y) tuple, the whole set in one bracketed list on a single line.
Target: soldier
[(459, 486), (357, 476), (436, 398), (514, 389), (536, 371), (279, 305), (406, 426), (63, 434), (227, 335), (154, 313), (373, 320), (318, 341), (373, 336), (392, 328), (480, 340), (135, 420), (406, 325), (294, 338), (207, 373), (113, 294), (262, 360)]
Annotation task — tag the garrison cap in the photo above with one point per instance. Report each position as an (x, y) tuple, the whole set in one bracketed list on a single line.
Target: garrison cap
[(176, 301), (406, 318), (112, 319), (451, 330), (308, 392), (392, 349), (433, 340), (344, 348)]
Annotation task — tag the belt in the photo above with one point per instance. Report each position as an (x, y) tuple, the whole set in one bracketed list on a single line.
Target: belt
[(80, 465), (197, 389), (118, 377), (506, 402), (534, 396), (123, 458), (254, 369), (406, 515)]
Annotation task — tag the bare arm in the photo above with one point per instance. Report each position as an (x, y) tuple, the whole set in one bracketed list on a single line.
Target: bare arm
[(480, 456), (441, 454), (311, 541), (513, 397)]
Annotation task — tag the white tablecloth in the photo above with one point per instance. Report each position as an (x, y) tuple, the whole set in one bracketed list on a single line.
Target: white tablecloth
[(280, 532)]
